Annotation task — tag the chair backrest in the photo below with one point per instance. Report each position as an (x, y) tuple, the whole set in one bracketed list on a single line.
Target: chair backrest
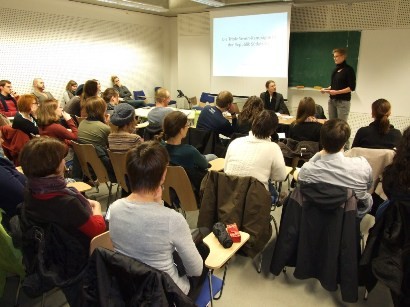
[(87, 156), (79, 119), (139, 95), (102, 240), (118, 163), (377, 158), (178, 180)]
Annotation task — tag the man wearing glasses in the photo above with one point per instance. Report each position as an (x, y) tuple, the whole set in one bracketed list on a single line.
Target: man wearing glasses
[(8, 99)]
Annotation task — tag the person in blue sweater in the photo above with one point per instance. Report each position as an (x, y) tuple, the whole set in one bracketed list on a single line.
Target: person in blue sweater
[(211, 117)]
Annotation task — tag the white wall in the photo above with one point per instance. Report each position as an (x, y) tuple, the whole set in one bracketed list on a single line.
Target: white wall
[(59, 40)]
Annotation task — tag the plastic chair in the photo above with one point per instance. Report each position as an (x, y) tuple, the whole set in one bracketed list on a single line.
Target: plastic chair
[(119, 166), (139, 95), (102, 240), (178, 180), (87, 156)]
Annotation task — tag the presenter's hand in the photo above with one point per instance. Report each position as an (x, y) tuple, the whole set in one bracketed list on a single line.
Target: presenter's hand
[(325, 90), (332, 92)]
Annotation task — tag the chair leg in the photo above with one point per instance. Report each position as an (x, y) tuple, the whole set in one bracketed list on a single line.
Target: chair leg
[(210, 287), (16, 300), (109, 193), (259, 267), (223, 282)]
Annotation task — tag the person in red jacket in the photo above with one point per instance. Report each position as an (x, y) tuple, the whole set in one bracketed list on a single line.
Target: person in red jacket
[(48, 118), (8, 99)]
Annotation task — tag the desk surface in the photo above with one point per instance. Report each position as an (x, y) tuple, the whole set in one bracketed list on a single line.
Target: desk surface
[(80, 186), (220, 255), (217, 165), (143, 112)]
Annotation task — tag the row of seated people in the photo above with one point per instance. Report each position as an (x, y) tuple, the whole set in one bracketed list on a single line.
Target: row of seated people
[(71, 97)]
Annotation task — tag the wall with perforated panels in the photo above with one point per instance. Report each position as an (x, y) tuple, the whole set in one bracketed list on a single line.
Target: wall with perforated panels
[(59, 47), (384, 57)]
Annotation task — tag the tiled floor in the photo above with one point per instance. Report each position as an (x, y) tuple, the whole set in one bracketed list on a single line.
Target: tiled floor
[(244, 286)]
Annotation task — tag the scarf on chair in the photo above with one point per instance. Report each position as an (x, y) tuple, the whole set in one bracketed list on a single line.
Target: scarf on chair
[(50, 186)]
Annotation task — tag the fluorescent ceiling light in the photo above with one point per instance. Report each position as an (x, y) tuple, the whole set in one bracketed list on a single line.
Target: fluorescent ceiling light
[(137, 5), (210, 2)]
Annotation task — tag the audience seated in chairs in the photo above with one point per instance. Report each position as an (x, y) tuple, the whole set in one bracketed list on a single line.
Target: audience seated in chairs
[(48, 116), (386, 257), (195, 164), (331, 166), (159, 230), (211, 117), (57, 222), (122, 122), (156, 115), (255, 155), (252, 107), (379, 134), (305, 127), (26, 118), (125, 94), (94, 130)]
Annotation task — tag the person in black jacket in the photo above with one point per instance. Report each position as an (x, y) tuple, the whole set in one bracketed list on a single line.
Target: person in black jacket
[(26, 118), (379, 134), (273, 100)]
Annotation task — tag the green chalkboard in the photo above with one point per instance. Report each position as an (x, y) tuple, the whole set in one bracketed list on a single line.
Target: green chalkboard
[(310, 55)]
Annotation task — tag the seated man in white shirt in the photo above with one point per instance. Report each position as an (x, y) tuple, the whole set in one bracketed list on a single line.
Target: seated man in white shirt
[(331, 166)]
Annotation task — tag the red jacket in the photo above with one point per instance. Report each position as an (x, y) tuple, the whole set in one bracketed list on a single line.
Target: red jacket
[(14, 141)]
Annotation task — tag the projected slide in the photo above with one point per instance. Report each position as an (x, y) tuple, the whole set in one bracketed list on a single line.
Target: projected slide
[(251, 46)]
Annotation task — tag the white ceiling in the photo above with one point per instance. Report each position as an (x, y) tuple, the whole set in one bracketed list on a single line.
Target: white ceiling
[(176, 7)]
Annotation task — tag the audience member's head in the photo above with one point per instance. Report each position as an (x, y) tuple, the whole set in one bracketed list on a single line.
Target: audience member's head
[(27, 104), (224, 100), (146, 167), (265, 124), (381, 110), (334, 135), (90, 89), (71, 86), (48, 112), (252, 107), (96, 108), (110, 95), (306, 108), (5, 87), (401, 162), (162, 97), (123, 118), (270, 86), (79, 90), (38, 84), (173, 123), (115, 81), (43, 156)]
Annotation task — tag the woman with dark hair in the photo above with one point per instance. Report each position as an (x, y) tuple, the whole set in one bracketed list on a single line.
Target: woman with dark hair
[(253, 106), (255, 155), (49, 201), (48, 117), (379, 134), (141, 226), (25, 120), (273, 100), (91, 89), (305, 127), (69, 92)]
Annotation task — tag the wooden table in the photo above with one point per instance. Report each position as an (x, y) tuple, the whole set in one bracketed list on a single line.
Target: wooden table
[(219, 256), (217, 165)]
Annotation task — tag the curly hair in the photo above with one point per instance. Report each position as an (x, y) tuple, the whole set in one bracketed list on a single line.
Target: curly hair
[(252, 107)]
